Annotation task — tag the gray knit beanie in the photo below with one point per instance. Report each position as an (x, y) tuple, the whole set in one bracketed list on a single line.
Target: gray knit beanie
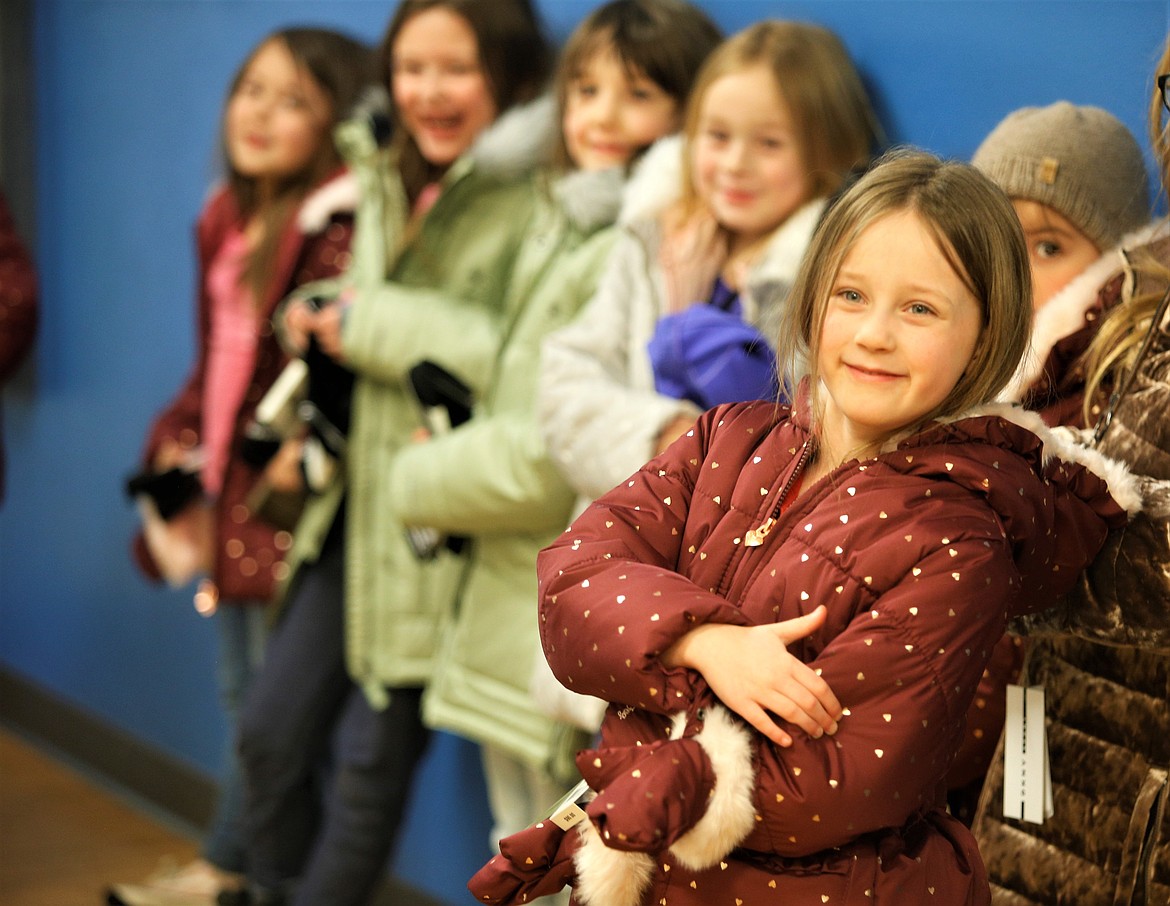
[(1080, 161)]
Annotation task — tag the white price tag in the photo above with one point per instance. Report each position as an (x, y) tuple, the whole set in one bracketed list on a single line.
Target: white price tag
[(1027, 780), (568, 811)]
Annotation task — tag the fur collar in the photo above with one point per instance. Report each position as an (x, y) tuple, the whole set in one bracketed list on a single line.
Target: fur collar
[(519, 141), (1065, 444), (1065, 312), (338, 195), (590, 198), (655, 182)]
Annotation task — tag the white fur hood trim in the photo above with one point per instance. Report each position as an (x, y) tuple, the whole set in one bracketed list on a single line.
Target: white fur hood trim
[(337, 196), (656, 181), (591, 198), (1065, 312), (611, 877), (1070, 445), (520, 140)]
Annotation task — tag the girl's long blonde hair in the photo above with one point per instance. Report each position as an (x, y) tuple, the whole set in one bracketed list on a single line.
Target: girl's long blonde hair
[(977, 231), (835, 127), (1114, 349)]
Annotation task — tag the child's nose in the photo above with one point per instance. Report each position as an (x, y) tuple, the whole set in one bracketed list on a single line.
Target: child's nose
[(606, 109), (735, 155), (875, 330)]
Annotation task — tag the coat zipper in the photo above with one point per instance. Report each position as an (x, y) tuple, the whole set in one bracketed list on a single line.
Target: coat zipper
[(755, 537)]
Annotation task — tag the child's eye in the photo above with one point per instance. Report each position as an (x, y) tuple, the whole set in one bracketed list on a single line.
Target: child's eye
[(716, 135), (407, 67), (920, 308), (584, 89), (772, 143), (849, 295), (1046, 248), (292, 102)]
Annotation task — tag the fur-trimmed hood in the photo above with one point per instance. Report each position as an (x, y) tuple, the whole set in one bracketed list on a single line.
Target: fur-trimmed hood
[(519, 141), (918, 555), (1065, 312), (336, 196)]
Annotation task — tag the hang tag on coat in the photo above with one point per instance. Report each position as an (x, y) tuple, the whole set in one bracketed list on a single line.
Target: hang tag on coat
[(569, 811), (1027, 779)]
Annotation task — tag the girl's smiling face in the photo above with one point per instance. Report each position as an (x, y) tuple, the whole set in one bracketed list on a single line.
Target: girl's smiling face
[(899, 329), (612, 113), (440, 90), (748, 165), (276, 118)]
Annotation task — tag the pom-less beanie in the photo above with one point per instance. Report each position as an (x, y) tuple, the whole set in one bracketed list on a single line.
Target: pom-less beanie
[(1080, 161)]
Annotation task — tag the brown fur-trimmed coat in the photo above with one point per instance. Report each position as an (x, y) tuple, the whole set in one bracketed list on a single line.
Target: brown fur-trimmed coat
[(1107, 684)]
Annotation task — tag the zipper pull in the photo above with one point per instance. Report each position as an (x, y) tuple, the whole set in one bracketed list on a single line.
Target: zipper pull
[(755, 537)]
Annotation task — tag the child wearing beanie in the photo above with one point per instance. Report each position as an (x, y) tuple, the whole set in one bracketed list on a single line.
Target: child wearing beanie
[(1078, 183), (1077, 180)]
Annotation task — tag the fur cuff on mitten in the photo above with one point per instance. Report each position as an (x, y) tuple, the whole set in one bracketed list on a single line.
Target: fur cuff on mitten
[(694, 800)]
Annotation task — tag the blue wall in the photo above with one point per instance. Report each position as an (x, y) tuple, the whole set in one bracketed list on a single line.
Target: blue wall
[(128, 98)]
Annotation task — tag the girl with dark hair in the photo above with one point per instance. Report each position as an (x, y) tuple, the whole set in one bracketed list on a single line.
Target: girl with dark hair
[(277, 222), (441, 216)]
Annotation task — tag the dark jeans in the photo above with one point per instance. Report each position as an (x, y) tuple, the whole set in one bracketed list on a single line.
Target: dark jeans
[(301, 698)]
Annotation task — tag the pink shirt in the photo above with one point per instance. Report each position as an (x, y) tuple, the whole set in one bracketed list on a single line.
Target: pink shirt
[(231, 355)]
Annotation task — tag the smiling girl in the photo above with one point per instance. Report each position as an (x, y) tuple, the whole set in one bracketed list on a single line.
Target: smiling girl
[(278, 222), (790, 608), (442, 214), (621, 85), (713, 231)]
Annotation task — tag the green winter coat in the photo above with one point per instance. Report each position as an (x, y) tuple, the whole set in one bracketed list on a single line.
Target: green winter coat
[(440, 294), (493, 479)]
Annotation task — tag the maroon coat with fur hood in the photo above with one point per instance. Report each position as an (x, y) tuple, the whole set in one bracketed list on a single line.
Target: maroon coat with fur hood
[(315, 244), (920, 555)]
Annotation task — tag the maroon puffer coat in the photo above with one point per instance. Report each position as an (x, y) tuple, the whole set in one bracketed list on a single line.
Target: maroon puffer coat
[(249, 553), (920, 555)]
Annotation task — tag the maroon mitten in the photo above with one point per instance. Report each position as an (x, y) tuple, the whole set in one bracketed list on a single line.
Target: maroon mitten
[(650, 795), (537, 862)]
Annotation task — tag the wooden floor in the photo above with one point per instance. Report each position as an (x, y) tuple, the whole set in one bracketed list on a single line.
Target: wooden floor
[(63, 838)]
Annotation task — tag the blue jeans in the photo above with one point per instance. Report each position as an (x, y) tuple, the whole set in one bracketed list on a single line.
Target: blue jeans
[(242, 631), (302, 701)]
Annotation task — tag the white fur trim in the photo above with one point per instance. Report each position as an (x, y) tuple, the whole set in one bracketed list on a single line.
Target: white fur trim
[(520, 140), (1065, 443), (338, 196), (656, 181), (1064, 313), (731, 811), (608, 877), (613, 877)]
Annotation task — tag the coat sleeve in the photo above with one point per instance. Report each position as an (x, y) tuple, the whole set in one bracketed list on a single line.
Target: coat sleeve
[(489, 476), (390, 329), (611, 600), (599, 425)]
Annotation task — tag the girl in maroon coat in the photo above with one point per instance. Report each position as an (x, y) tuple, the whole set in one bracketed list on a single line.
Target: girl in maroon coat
[(790, 609), (278, 222)]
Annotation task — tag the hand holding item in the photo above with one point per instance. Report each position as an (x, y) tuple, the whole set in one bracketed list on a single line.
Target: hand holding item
[(300, 318), (691, 254)]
